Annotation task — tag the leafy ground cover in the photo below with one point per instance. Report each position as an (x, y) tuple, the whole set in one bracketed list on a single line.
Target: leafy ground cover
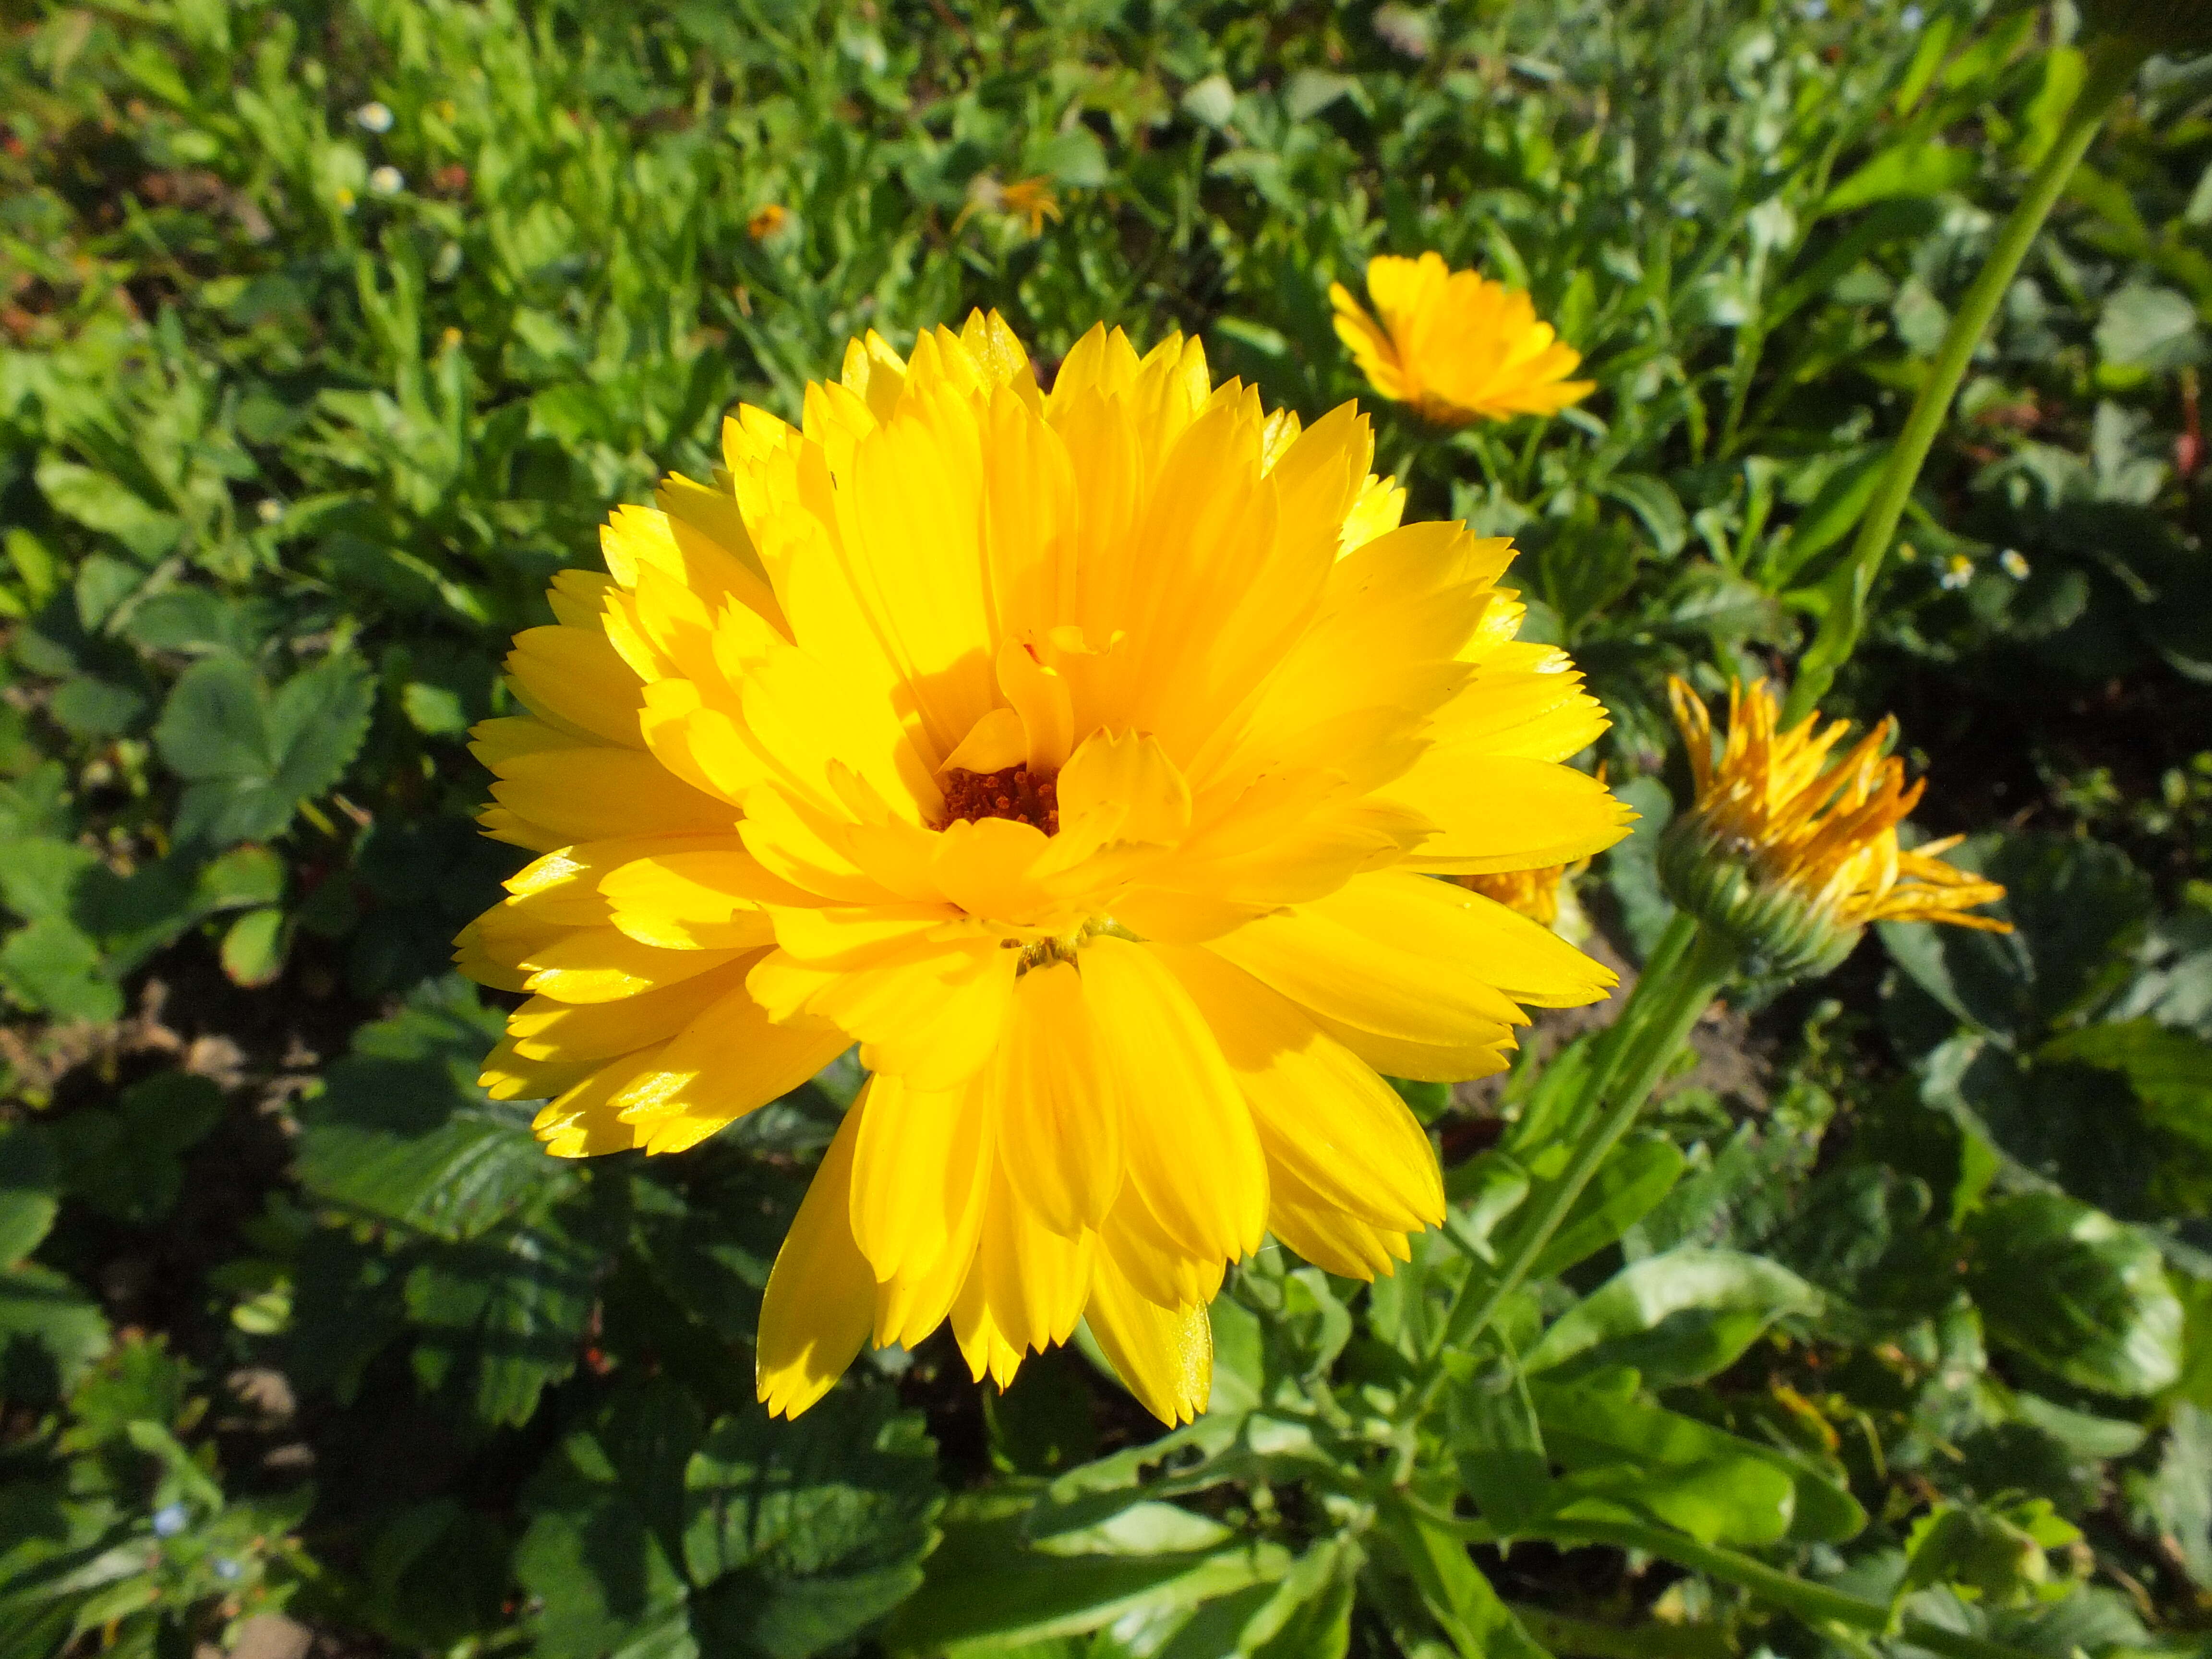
[(328, 333)]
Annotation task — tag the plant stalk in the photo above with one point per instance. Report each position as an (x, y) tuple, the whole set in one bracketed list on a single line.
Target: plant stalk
[(1683, 974), (2112, 66)]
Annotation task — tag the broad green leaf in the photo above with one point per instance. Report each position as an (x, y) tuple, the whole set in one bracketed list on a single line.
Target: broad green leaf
[(2171, 1071), (2077, 907), (604, 1549), (1590, 1426), (51, 967), (50, 1332), (1913, 168), (1634, 1177), (1677, 1317), (800, 1535), (2147, 327), (401, 1130), (1504, 1464), (2077, 1292), (506, 1311), (985, 1591), (30, 1190), (248, 757), (1453, 1589)]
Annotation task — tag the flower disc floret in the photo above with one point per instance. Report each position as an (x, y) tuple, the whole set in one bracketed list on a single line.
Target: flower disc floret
[(1083, 757)]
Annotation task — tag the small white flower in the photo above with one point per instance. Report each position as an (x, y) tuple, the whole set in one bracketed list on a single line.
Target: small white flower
[(1958, 571), (373, 117), (387, 180), (1910, 19), (1812, 10), (270, 509), (2013, 564)]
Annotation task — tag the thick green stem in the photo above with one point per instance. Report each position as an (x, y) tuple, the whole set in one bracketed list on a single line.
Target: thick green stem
[(1816, 1604), (1680, 982), (2112, 66)]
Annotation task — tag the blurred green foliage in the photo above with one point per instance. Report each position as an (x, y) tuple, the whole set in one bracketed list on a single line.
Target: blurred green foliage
[(328, 332)]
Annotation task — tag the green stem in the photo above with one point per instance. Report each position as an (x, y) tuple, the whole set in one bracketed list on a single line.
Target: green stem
[(1685, 973), (1816, 1604), (2112, 64)]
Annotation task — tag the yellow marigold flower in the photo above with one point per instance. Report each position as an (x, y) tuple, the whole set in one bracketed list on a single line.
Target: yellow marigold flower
[(1456, 346), (1083, 757), (1793, 849), (766, 221)]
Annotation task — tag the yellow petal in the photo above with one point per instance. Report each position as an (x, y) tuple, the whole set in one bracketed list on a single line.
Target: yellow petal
[(1192, 1154), (542, 1029), (728, 1059), (1321, 1113), (571, 678), (1060, 1124), (914, 1167), (604, 794), (1384, 959), (1497, 812), (820, 1298), (599, 965), (1163, 1356)]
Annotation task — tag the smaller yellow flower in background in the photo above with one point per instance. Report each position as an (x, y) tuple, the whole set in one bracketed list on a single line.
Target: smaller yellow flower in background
[(1456, 346), (1534, 893), (1792, 849), (1029, 200), (766, 221)]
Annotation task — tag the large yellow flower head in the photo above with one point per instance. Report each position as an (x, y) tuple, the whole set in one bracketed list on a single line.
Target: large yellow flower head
[(1794, 848), (1457, 347), (1083, 756)]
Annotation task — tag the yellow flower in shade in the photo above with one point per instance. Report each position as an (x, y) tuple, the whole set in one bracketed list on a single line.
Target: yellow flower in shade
[(1534, 893), (1083, 757), (1792, 848), (766, 221), (1456, 346)]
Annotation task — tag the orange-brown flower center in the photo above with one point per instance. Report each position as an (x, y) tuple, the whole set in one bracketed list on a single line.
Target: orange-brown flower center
[(1011, 791)]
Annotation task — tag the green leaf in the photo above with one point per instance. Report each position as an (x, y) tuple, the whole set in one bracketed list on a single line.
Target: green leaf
[(1453, 1589), (1634, 1177), (51, 967), (1588, 1426), (2077, 908), (30, 1190), (253, 947), (987, 1591), (249, 759), (800, 1535), (2175, 1500), (402, 1132), (50, 1333), (1503, 1463), (1924, 168), (2077, 1292), (603, 1554), (508, 1309), (126, 1162), (1677, 1317), (2170, 1071), (2147, 327)]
